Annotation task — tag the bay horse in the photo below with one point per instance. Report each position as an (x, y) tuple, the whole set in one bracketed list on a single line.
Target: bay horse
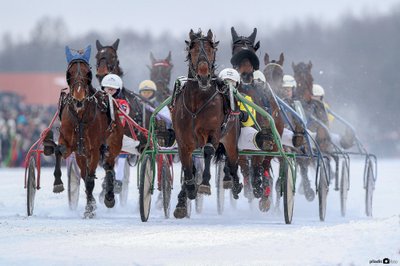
[(202, 119), (315, 114), (87, 130), (107, 62), (273, 72), (160, 73), (262, 95)]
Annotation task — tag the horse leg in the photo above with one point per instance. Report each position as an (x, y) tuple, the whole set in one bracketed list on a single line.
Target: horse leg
[(189, 182), (245, 170), (60, 151), (181, 208), (267, 182), (232, 165), (305, 186), (109, 199), (257, 174), (208, 151)]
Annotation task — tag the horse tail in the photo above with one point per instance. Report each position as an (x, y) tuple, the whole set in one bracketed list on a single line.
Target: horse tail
[(219, 153)]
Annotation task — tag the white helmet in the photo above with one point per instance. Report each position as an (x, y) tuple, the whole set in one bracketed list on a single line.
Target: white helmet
[(259, 75), (229, 74), (112, 81), (317, 90), (289, 81)]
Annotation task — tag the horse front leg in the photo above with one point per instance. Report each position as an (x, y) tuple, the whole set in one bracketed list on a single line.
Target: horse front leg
[(232, 166), (109, 197), (59, 151), (267, 182), (188, 185)]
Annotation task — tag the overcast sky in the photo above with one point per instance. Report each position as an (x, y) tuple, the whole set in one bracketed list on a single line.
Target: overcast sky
[(177, 17)]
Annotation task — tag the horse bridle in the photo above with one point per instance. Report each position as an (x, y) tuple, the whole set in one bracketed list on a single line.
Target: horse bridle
[(202, 57), (159, 77), (111, 66), (85, 79)]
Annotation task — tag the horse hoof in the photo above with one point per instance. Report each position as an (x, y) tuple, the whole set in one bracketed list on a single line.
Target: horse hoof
[(180, 212), (89, 215), (58, 188), (264, 204), (310, 195), (204, 189), (227, 184), (109, 200)]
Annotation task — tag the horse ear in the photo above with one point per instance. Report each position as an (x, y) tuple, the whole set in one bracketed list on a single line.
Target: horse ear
[(152, 59), (234, 34), (281, 59), (98, 45), (115, 45), (192, 35), (209, 35), (168, 57), (309, 65), (257, 46), (266, 59), (86, 55), (68, 54), (252, 37)]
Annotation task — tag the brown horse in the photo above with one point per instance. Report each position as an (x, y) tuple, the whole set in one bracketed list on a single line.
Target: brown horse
[(107, 62), (245, 61), (160, 73), (317, 120), (202, 119), (87, 130)]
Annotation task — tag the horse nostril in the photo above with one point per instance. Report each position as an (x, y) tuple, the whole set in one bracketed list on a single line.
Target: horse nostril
[(79, 104)]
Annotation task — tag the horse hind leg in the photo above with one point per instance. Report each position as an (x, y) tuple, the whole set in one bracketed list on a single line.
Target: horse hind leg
[(109, 197), (208, 152), (267, 182), (58, 185)]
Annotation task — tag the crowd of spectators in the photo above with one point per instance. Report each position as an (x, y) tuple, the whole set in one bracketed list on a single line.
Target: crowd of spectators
[(20, 127)]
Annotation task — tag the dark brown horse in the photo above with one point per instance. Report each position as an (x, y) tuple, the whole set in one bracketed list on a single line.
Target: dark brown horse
[(107, 62), (317, 120), (245, 61), (160, 73), (87, 130), (201, 119)]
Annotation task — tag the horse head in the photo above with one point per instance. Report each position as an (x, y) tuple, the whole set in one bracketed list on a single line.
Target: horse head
[(79, 74), (107, 60), (304, 80), (244, 57), (201, 56), (273, 71), (160, 73)]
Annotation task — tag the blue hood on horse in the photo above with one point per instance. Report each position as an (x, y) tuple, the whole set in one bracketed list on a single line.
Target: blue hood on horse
[(78, 54)]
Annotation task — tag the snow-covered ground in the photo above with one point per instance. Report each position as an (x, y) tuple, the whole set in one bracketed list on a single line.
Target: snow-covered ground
[(55, 235)]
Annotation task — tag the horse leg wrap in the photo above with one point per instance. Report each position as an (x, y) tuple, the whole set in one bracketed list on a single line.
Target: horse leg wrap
[(208, 149), (190, 186)]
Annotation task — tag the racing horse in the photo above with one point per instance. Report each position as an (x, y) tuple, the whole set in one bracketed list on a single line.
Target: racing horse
[(273, 72), (243, 49), (160, 73), (87, 130), (316, 116), (202, 119), (107, 62)]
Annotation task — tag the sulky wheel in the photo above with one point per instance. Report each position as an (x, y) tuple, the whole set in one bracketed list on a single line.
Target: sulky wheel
[(344, 187), (145, 188), (31, 186), (322, 192), (219, 177), (288, 180), (369, 188), (73, 183), (123, 195), (166, 182)]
